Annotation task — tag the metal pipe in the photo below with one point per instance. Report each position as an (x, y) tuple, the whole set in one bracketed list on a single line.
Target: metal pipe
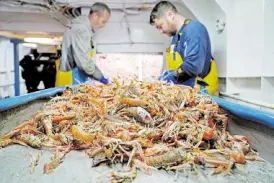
[(260, 104), (56, 19), (42, 7), (128, 26)]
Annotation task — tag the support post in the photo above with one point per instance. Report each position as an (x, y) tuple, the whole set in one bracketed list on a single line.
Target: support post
[(16, 67)]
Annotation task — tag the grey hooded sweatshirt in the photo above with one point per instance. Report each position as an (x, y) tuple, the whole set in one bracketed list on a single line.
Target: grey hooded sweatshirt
[(76, 48)]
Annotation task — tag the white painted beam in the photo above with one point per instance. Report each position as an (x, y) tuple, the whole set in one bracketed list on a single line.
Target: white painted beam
[(35, 22)]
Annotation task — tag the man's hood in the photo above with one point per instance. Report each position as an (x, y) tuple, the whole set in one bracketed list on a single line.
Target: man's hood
[(81, 20)]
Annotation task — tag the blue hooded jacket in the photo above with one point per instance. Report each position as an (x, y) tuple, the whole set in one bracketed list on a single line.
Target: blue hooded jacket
[(193, 44)]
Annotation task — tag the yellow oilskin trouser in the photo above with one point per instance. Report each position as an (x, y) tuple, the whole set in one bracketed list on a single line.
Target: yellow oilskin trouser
[(174, 60), (65, 78)]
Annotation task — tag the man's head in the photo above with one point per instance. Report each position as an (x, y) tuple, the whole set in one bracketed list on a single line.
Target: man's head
[(99, 15), (162, 17)]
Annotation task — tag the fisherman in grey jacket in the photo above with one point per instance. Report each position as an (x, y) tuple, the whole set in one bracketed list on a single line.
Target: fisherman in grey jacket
[(77, 45)]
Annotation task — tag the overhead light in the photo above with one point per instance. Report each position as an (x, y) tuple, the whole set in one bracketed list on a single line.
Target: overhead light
[(41, 40), (30, 45)]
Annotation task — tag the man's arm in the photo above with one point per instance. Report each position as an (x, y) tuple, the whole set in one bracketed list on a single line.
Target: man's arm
[(194, 60), (81, 53), (194, 57)]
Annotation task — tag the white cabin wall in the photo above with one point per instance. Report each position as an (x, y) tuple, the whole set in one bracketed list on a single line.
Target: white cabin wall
[(268, 52), (250, 55), (268, 48)]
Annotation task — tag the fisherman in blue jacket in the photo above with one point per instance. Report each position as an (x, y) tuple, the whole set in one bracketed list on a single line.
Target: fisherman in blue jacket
[(189, 59)]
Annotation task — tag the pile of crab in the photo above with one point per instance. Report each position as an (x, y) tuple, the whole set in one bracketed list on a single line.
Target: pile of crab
[(144, 125)]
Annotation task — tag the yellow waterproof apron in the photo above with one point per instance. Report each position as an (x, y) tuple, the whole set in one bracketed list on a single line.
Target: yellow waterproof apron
[(174, 60), (65, 78)]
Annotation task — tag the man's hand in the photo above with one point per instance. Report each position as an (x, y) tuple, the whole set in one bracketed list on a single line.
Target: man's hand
[(168, 76), (180, 75), (162, 76), (105, 80)]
